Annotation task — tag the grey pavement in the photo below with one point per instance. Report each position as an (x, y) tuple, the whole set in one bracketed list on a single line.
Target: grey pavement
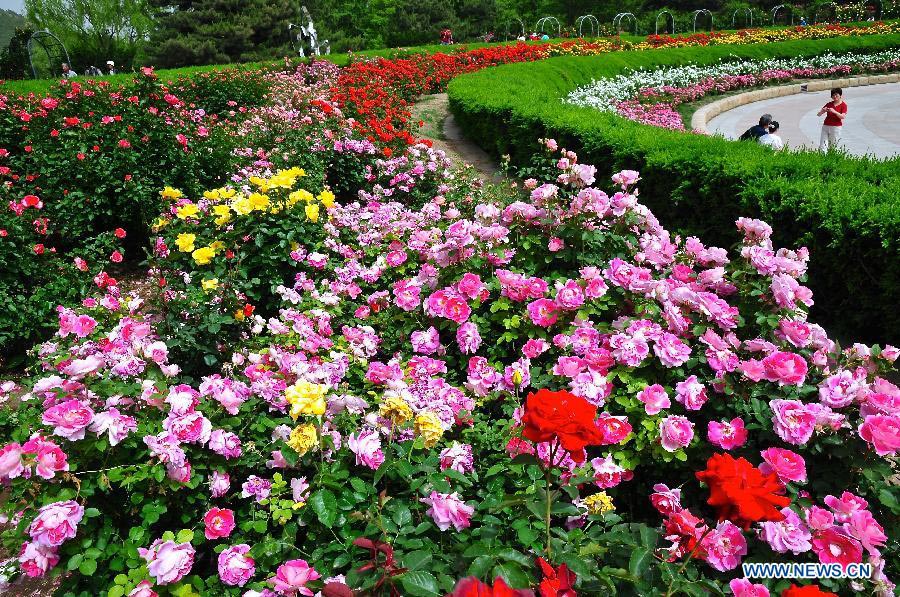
[(872, 125)]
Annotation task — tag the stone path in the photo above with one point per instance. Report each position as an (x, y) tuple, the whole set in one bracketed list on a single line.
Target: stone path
[(872, 126), (441, 128)]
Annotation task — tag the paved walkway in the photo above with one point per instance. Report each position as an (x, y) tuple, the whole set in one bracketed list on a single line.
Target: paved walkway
[(459, 149), (872, 126)]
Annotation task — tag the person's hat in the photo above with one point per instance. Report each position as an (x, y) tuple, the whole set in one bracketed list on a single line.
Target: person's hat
[(110, 62)]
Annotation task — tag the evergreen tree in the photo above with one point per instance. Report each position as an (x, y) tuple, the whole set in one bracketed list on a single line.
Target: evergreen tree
[(14, 62), (194, 32)]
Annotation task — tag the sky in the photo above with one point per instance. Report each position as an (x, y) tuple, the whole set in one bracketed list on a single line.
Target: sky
[(16, 5)]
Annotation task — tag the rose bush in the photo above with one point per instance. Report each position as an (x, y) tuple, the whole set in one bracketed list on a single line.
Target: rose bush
[(388, 427)]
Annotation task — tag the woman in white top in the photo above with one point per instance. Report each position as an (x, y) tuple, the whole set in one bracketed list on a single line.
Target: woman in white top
[(771, 139)]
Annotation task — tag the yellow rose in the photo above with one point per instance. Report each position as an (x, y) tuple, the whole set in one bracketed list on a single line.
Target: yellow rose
[(259, 202), (185, 242), (239, 315), (428, 427), (213, 195), (300, 195), (312, 212), (306, 398), (396, 409), (303, 438), (599, 503), (186, 211), (203, 255), (326, 197), (170, 193), (210, 284), (222, 213)]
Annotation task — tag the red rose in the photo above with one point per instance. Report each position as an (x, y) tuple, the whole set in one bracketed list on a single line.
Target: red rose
[(556, 583), (472, 587), (120, 233), (807, 591), (741, 493), (562, 416)]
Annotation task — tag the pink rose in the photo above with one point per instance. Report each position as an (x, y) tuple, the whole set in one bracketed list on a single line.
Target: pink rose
[(225, 443), (56, 523), (666, 501), (654, 398), (292, 576), (116, 425), (671, 351), (191, 427), (741, 587), (786, 368), (143, 589), (235, 567), (447, 509), (11, 465), (425, 341), (727, 434), (168, 562), (818, 518), (793, 421), (834, 546), (543, 312), (725, 545), (691, 393), (219, 523), (614, 428), (675, 431), (36, 559), (467, 338), (471, 286), (457, 309), (569, 295), (787, 535), (535, 347), (863, 527), (69, 418), (789, 466), (49, 458), (366, 445), (882, 432), (219, 484)]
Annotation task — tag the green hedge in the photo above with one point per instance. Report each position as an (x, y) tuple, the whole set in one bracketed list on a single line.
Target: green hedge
[(846, 210)]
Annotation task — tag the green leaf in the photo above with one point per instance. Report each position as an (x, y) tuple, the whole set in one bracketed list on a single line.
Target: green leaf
[(116, 591), (420, 584), (515, 556), (639, 562), (480, 566), (88, 567), (184, 536), (324, 504), (513, 574), (416, 560)]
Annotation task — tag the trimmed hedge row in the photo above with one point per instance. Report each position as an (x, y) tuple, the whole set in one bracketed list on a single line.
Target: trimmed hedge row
[(845, 209)]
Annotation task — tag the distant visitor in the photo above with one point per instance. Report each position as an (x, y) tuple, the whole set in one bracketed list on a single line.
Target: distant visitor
[(758, 130), (771, 138), (110, 67), (67, 72), (835, 111)]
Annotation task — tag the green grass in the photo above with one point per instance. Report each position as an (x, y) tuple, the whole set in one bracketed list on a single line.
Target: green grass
[(847, 210)]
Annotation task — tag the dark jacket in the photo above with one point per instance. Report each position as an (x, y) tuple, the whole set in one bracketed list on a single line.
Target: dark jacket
[(754, 133)]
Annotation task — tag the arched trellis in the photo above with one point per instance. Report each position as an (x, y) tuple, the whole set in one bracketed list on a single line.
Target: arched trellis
[(671, 18), (521, 27), (831, 7), (703, 11), (748, 17), (592, 21), (51, 46), (617, 21), (542, 22), (878, 12), (789, 10)]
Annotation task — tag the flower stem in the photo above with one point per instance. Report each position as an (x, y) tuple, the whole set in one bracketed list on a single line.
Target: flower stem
[(547, 514), (688, 559)]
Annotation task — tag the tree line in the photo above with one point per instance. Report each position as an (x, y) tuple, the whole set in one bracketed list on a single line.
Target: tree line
[(172, 33)]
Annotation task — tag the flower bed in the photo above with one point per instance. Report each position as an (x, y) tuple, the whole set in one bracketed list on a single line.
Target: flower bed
[(653, 97), (392, 425)]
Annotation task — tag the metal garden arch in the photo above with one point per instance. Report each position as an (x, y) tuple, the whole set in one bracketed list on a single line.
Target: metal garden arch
[(697, 13), (53, 49), (592, 21), (748, 17), (617, 21), (671, 18), (521, 26), (779, 7), (543, 21)]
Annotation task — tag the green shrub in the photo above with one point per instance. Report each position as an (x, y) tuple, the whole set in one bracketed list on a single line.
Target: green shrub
[(844, 209)]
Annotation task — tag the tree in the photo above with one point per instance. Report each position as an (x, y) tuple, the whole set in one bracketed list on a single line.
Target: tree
[(94, 31), (14, 62), (194, 32)]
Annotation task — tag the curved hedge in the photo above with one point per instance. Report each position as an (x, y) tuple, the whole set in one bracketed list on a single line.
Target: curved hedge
[(845, 209)]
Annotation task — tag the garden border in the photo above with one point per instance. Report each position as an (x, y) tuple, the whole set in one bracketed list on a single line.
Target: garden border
[(704, 114), (842, 208)]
